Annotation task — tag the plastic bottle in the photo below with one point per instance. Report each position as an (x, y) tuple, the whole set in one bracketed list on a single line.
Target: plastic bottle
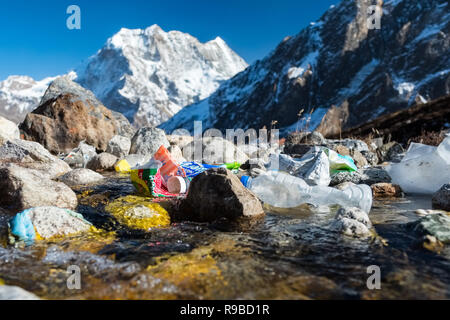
[(282, 190)]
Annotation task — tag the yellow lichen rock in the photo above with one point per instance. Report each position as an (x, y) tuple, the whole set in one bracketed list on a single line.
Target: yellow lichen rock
[(139, 213)]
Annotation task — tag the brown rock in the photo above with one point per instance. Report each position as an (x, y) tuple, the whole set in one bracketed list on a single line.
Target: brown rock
[(62, 123), (69, 114), (216, 194), (386, 190)]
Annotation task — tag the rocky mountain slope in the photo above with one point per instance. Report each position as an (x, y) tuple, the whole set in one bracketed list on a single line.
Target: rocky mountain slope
[(148, 75), (338, 62)]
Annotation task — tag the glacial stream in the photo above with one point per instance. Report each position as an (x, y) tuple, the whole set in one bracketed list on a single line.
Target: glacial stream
[(292, 254)]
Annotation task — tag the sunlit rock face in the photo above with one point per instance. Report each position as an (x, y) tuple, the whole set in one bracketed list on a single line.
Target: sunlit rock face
[(338, 61)]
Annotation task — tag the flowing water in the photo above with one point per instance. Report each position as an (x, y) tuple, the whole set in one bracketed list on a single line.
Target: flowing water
[(291, 254)]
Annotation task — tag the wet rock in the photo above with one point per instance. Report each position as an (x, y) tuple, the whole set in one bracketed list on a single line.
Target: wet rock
[(67, 115), (8, 130), (436, 225), (176, 153), (119, 146), (48, 222), (386, 190), (351, 228), (217, 194), (148, 140), (80, 176), (391, 151), (214, 150), (22, 188), (139, 213), (441, 199), (16, 293), (354, 214), (375, 175), (34, 156), (342, 177), (102, 162)]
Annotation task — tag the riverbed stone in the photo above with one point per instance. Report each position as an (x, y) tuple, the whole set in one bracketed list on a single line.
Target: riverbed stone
[(81, 176), (386, 190), (119, 146), (102, 162), (355, 214), (148, 140), (441, 199), (436, 225), (216, 194), (351, 228), (50, 222), (23, 188)]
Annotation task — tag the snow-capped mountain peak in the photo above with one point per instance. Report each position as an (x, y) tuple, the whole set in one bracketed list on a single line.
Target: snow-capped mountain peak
[(146, 74), (149, 74)]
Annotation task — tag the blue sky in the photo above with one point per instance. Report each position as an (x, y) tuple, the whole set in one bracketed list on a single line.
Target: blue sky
[(35, 41)]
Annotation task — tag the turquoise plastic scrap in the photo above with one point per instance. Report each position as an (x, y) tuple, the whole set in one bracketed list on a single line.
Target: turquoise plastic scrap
[(22, 227)]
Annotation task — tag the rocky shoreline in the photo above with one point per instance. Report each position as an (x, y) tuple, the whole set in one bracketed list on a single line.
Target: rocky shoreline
[(58, 182)]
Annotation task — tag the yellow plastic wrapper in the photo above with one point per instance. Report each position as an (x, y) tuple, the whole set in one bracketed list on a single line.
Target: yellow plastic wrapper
[(122, 166), (139, 213)]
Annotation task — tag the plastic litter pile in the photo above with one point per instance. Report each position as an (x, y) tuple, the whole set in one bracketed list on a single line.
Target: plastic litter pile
[(424, 169), (287, 182)]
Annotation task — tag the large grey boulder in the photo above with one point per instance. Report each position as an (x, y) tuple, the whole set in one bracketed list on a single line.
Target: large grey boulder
[(214, 150), (216, 194), (441, 199), (8, 130), (16, 293), (119, 146), (34, 156), (22, 188), (81, 176), (148, 140)]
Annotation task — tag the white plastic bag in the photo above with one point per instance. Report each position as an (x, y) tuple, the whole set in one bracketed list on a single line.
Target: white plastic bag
[(424, 169)]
